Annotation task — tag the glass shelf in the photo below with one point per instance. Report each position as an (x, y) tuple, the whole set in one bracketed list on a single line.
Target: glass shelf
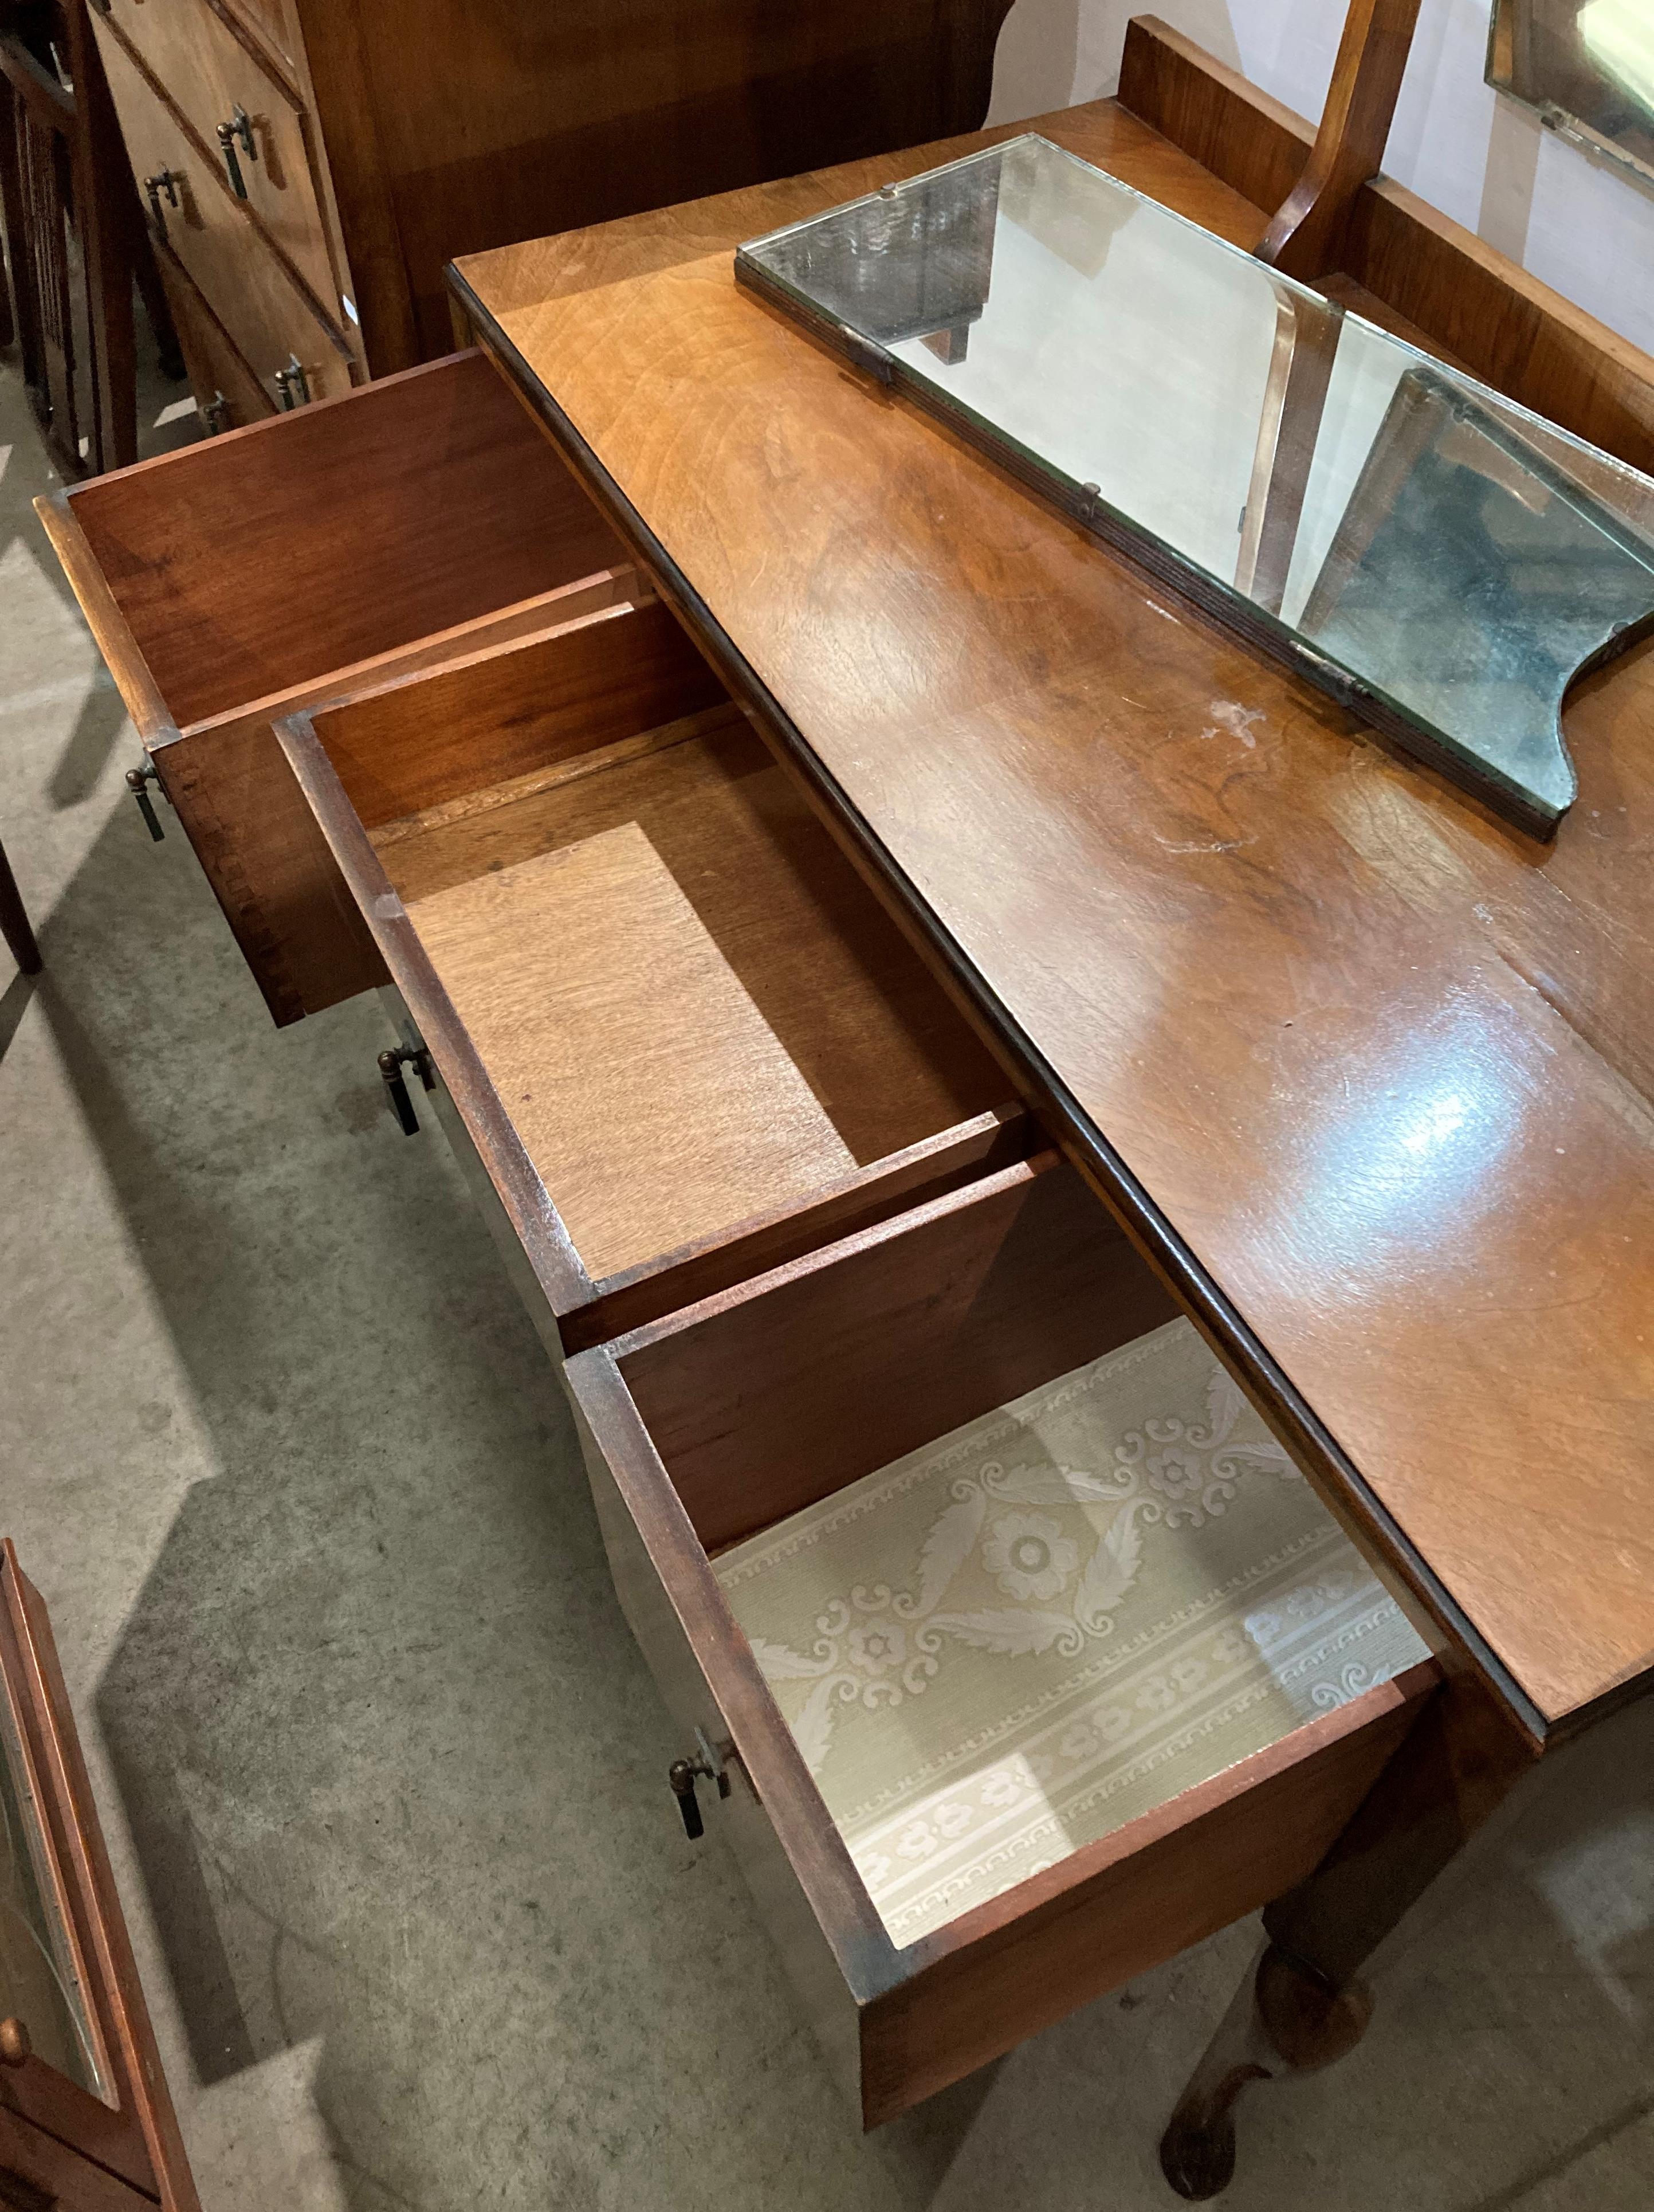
[(1437, 558)]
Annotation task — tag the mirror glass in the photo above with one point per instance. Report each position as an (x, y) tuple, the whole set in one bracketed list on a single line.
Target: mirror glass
[(1431, 553), (1586, 67)]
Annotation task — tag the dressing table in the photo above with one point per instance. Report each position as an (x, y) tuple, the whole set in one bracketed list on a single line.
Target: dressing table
[(1108, 973)]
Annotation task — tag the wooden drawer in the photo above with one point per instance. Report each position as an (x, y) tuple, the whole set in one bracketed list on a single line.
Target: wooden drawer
[(683, 1038), (773, 1399), (299, 559), (273, 321), (227, 394), (215, 72)]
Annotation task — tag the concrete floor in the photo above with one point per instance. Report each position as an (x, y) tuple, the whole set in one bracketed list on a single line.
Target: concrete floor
[(381, 1772)]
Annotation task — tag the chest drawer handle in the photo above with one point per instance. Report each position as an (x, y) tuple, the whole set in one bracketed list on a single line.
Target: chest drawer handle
[(291, 385), (214, 415), (238, 126), (164, 180), (682, 1776), (138, 780), (390, 1067)]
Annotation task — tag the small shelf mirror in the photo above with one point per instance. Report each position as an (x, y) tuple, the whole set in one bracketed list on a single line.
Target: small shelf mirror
[(1586, 67), (1432, 554)]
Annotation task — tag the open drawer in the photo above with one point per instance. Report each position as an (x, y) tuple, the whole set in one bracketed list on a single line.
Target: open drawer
[(299, 559), (682, 1037), (1027, 1655)]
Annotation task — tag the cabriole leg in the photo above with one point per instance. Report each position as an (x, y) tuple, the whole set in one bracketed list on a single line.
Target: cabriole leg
[(1304, 2008)]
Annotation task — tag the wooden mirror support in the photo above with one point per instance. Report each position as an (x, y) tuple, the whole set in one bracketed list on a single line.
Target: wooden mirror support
[(1305, 237)]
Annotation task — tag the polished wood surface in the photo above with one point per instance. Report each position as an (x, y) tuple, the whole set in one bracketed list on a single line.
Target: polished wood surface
[(130, 2141), (1366, 1070), (1307, 234), (819, 1370)]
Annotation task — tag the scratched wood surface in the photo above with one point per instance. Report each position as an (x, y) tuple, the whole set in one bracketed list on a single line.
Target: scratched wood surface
[(1377, 1066)]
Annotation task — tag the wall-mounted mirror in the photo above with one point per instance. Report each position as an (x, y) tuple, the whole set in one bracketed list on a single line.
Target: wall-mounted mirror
[(1586, 67)]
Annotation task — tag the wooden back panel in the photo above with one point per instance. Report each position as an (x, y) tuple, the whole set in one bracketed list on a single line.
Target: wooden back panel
[(249, 563), (1466, 298), (472, 126), (762, 1402)]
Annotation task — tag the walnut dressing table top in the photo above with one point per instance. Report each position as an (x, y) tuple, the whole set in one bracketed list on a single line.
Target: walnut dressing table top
[(1366, 1071)]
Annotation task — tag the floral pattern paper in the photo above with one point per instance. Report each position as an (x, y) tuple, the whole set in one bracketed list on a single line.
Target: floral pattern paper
[(1009, 1643)]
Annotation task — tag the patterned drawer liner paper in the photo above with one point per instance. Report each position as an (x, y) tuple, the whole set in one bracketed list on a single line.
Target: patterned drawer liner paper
[(1011, 1642)]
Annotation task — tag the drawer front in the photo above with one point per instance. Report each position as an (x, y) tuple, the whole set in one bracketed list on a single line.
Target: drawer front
[(823, 1993), (243, 282), (725, 1420), (228, 396), (217, 75), (273, 21)]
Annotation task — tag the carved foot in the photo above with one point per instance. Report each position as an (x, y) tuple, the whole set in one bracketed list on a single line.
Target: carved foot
[(1197, 2151), (1283, 2020)]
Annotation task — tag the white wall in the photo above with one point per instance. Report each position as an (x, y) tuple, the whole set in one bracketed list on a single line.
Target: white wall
[(1479, 157)]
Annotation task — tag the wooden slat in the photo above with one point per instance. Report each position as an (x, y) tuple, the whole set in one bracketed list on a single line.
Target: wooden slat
[(250, 563)]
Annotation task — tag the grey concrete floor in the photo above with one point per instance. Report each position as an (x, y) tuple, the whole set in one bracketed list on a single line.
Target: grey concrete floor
[(380, 1770)]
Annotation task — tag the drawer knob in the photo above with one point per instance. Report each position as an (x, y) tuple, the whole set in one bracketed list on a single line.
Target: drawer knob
[(239, 126), (164, 180), (15, 2046), (682, 1776), (390, 1067), (138, 780), (291, 385)]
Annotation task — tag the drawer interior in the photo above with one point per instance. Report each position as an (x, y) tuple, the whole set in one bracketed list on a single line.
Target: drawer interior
[(692, 1010), (1016, 1559), (252, 564)]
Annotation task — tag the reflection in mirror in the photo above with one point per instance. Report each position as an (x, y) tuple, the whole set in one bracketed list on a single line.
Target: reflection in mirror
[(1431, 554), (1586, 67), (38, 1984)]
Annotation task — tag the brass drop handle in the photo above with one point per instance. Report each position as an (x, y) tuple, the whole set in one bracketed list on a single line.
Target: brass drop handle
[(291, 385), (15, 2046), (214, 414), (238, 126), (138, 780), (390, 1067), (164, 180), (683, 1775)]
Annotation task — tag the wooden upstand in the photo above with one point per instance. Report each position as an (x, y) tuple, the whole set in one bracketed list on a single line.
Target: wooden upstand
[(877, 955)]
